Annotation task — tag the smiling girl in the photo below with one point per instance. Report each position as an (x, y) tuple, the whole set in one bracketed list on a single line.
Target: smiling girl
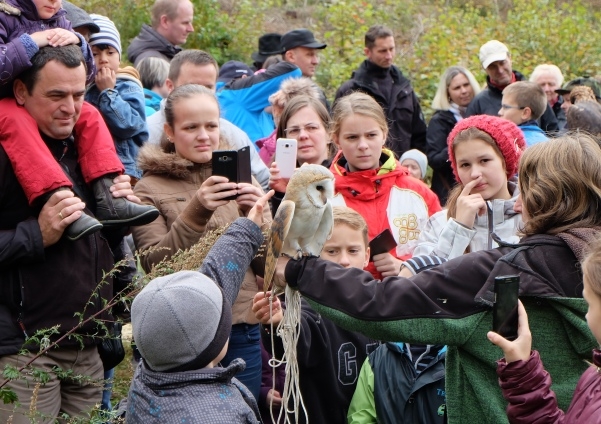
[(484, 152), (371, 181)]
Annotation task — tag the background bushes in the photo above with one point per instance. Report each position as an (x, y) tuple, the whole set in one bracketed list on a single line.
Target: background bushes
[(431, 34)]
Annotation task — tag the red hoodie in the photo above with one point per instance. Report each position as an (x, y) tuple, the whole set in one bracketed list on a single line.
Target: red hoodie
[(387, 197)]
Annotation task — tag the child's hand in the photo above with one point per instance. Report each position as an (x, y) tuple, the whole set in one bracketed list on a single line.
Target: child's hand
[(261, 309), (256, 213), (273, 398), (275, 181), (469, 205), (387, 265), (61, 37), (105, 79), (248, 195), (214, 190), (520, 348)]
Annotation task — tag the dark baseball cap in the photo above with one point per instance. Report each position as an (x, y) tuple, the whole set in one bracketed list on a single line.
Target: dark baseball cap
[(269, 45), (586, 81), (300, 38), (79, 17), (232, 70)]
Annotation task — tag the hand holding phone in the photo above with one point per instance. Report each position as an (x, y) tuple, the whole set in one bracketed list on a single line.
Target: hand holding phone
[(382, 243), (233, 164), (505, 308), (285, 156)]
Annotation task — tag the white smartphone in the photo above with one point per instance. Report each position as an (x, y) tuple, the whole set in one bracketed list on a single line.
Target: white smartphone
[(285, 156)]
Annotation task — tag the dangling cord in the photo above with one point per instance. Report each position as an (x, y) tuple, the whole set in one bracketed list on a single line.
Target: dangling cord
[(289, 330)]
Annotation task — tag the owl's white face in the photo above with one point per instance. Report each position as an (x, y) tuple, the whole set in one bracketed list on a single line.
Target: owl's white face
[(320, 191)]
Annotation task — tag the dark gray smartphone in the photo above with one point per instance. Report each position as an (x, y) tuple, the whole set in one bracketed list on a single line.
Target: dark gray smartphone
[(382, 243), (505, 308), (233, 164)]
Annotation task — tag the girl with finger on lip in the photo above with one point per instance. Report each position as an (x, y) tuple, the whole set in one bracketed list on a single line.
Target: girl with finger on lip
[(370, 180), (484, 152), (178, 180)]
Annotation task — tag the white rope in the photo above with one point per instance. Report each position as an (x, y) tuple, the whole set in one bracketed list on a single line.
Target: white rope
[(289, 331)]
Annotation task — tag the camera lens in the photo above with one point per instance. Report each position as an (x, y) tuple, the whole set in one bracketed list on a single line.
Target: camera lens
[(286, 145)]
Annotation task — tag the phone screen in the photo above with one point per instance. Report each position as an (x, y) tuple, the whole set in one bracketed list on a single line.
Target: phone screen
[(505, 308)]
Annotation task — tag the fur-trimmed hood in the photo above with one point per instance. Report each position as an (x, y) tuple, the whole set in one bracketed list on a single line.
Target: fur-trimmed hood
[(153, 160)]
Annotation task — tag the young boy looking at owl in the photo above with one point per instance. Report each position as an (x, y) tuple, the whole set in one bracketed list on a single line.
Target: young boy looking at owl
[(329, 357)]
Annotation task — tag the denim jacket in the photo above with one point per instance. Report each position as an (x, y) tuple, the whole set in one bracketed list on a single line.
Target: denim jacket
[(123, 111)]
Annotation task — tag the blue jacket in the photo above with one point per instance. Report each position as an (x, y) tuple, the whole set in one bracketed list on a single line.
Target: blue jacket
[(123, 111), (532, 133), (152, 102), (17, 47), (243, 101)]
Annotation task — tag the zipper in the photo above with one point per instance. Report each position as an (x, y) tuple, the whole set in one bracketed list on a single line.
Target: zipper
[(22, 325)]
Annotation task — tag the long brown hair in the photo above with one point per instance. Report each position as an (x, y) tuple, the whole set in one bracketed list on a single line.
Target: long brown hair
[(560, 182)]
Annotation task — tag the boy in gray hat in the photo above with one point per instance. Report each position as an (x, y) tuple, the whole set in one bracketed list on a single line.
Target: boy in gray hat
[(181, 323)]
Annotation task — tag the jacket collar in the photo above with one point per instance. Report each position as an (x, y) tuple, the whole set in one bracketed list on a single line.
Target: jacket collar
[(158, 380), (364, 75), (517, 76), (153, 160)]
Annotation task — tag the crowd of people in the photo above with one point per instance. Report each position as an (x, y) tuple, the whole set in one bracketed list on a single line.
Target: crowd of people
[(98, 159)]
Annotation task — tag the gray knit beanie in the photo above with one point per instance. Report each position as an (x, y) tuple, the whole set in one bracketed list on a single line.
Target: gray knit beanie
[(419, 157), (108, 34), (180, 321)]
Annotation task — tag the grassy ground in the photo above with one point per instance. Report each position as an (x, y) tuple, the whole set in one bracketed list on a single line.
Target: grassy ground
[(125, 370)]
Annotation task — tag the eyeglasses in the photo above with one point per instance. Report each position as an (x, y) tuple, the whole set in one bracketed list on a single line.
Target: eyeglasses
[(295, 131), (504, 106)]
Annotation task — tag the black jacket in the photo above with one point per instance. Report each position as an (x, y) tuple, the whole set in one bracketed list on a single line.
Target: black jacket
[(488, 102), (43, 287), (149, 43), (399, 392), (406, 120), (562, 120), (329, 361), (440, 126)]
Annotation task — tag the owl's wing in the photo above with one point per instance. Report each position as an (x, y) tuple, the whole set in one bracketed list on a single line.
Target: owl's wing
[(324, 230), (277, 235)]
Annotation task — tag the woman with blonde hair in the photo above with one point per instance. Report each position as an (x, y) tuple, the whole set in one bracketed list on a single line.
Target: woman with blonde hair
[(451, 304), (456, 89)]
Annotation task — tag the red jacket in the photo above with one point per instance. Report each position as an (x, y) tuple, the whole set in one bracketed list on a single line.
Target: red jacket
[(387, 197), (527, 387)]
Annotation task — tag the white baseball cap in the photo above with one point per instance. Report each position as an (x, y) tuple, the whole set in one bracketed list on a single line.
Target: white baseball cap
[(491, 52)]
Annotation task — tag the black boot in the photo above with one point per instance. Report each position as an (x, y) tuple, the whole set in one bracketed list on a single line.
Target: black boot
[(82, 227), (118, 211)]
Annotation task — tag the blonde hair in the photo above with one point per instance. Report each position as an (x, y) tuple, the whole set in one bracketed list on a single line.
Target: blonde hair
[(441, 98), (185, 91), (560, 184), (361, 104), (294, 87), (344, 215), (528, 94), (471, 133)]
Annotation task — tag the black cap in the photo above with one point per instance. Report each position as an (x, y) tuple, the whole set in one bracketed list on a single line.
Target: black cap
[(232, 70), (269, 45), (300, 38), (586, 81), (79, 17)]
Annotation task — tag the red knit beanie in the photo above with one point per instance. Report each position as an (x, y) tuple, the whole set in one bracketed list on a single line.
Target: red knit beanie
[(506, 134)]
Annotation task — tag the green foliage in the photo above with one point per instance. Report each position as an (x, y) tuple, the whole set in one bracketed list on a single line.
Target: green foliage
[(431, 35)]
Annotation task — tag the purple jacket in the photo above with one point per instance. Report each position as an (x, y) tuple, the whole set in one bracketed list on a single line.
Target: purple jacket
[(17, 48), (527, 387)]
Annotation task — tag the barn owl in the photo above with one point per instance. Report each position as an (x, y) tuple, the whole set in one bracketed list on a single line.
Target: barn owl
[(304, 220)]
